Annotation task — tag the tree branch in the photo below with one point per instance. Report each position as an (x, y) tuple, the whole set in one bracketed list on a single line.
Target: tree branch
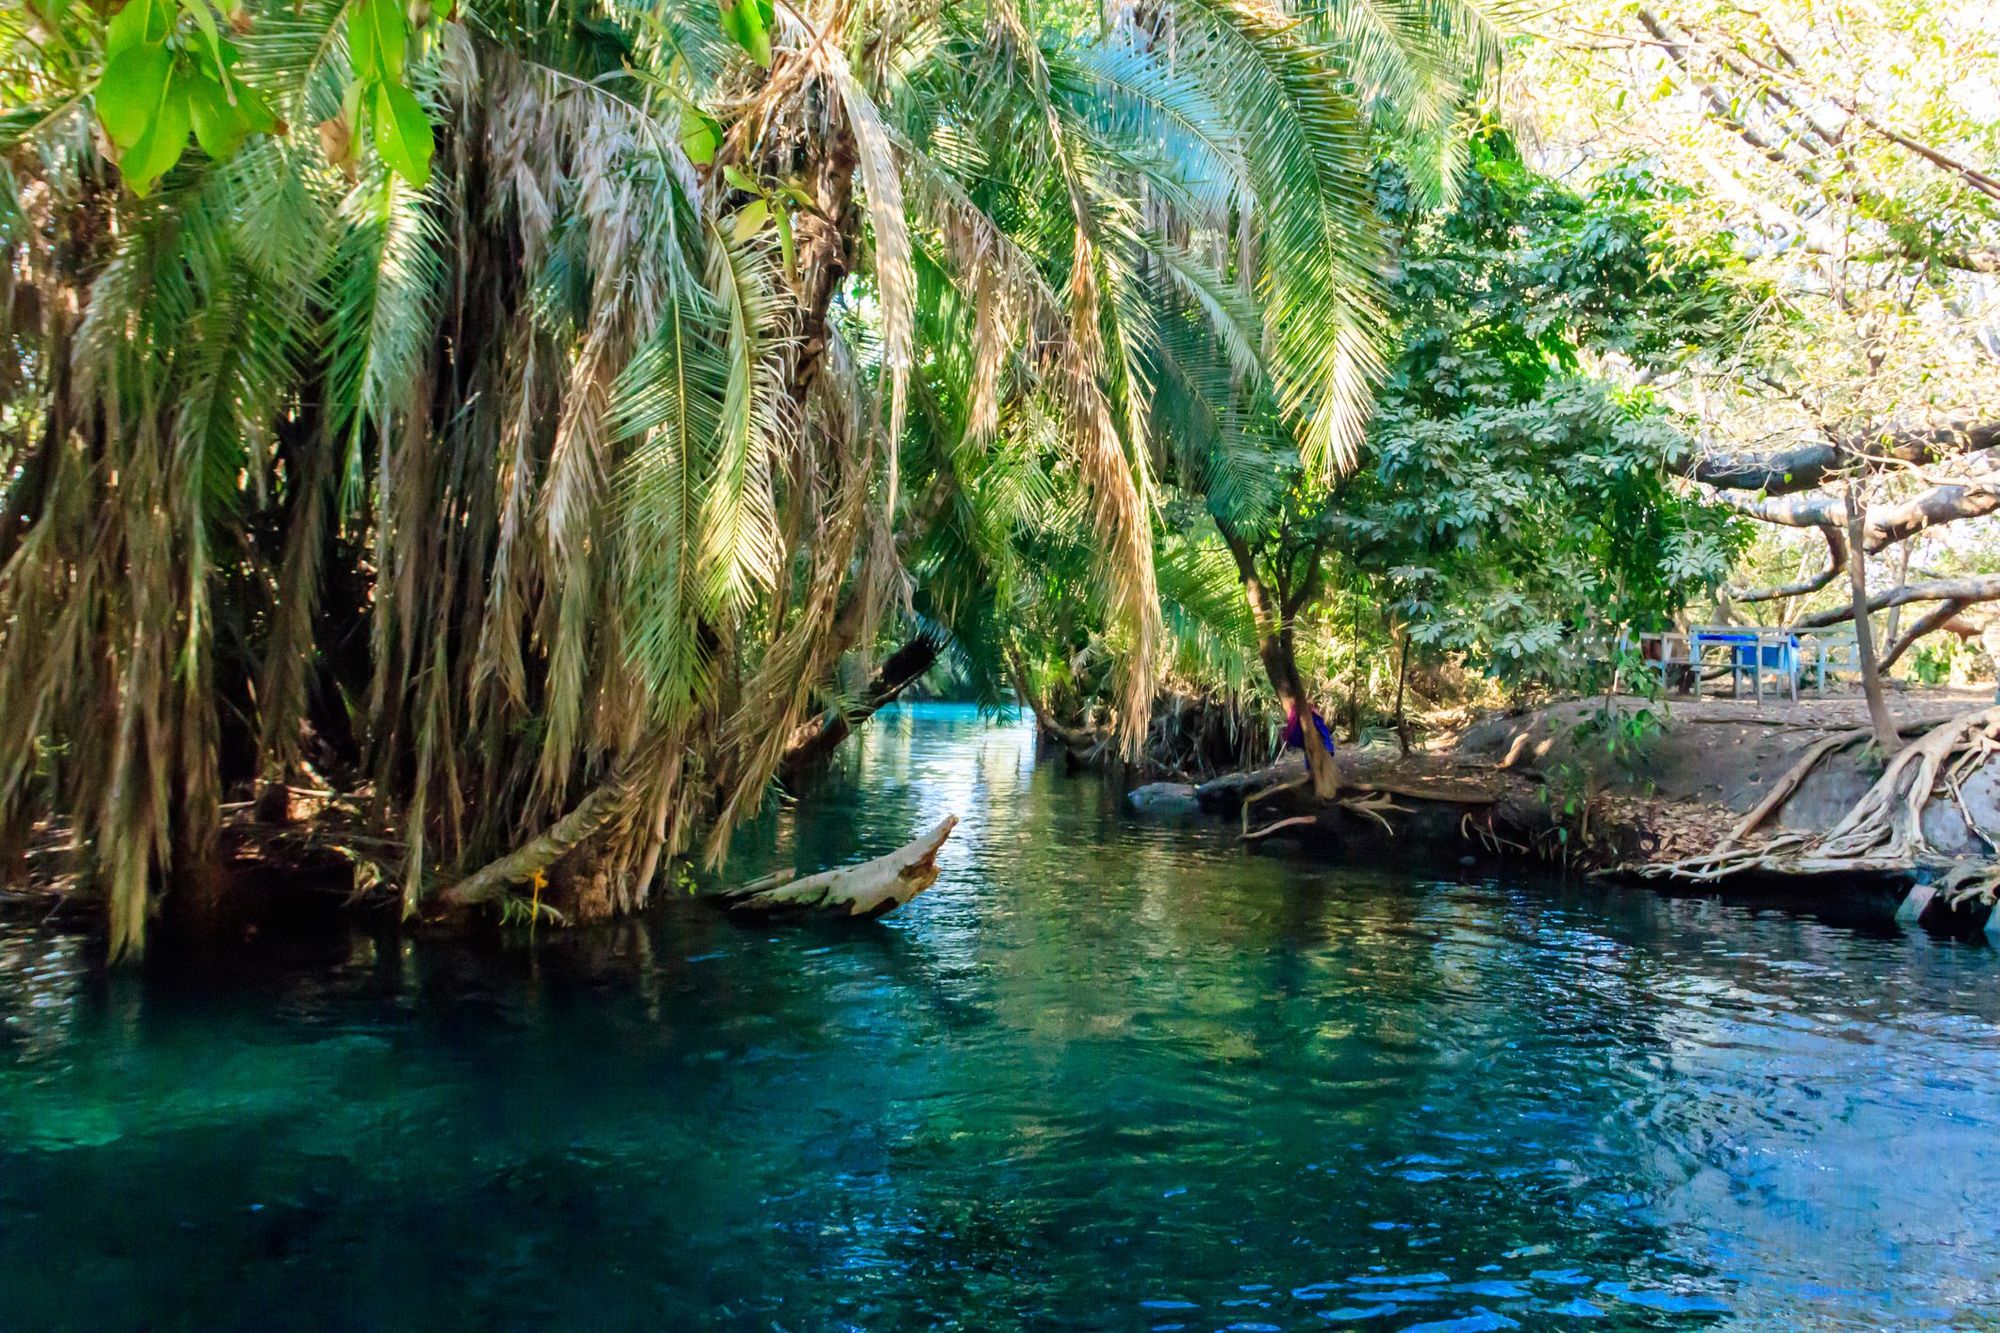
[(823, 734), (1948, 502), (1836, 551), (1808, 466), (1929, 622), (1765, 81), (1968, 590)]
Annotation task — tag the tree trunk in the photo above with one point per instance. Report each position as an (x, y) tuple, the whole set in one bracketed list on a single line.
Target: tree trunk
[(1076, 740), (1883, 725), (1281, 665), (1402, 680), (902, 669), (867, 890), (597, 809), (1894, 624), (1276, 650)]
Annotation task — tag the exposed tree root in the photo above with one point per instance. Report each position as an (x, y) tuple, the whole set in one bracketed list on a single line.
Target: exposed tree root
[(1296, 821), (1255, 796), (1371, 800), (1884, 830), (1376, 805), (1781, 791)]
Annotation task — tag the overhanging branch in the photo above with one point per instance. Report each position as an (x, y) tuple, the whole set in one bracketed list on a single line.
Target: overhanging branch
[(1808, 466), (1836, 551), (1966, 591), (1948, 502), (1934, 619)]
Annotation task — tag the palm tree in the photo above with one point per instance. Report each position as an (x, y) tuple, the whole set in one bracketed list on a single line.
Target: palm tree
[(531, 491)]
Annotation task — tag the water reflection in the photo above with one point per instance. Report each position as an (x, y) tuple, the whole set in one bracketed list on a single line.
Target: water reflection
[(1103, 1075)]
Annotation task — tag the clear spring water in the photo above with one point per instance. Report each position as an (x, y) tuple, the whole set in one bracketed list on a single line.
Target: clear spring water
[(1104, 1075)]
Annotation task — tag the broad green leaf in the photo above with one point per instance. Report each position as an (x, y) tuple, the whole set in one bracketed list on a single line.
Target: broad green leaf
[(140, 23), (161, 145), (378, 35), (701, 135), (741, 179), (206, 22), (361, 48), (218, 127), (257, 113), (390, 27), (748, 24), (403, 134), (751, 220), (130, 91)]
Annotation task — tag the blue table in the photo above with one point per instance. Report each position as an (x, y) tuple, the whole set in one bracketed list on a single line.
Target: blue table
[(1754, 651)]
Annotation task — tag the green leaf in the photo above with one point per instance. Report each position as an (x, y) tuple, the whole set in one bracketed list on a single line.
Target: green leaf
[(748, 24), (378, 37), (741, 179), (390, 29), (787, 246), (219, 128), (361, 47), (130, 91), (351, 106), (403, 134), (751, 220), (140, 23), (701, 135), (257, 113), (161, 145), (206, 22)]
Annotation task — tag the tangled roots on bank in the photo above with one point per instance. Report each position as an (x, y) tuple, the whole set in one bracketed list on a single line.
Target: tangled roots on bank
[(1884, 829)]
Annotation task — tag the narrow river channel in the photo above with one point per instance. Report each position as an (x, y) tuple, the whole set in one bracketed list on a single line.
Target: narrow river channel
[(1103, 1075)]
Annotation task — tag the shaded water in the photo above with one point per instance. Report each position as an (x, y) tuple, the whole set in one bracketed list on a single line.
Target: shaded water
[(1103, 1075)]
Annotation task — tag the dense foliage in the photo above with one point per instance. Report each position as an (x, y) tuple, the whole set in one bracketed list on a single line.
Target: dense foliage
[(1517, 505), (517, 436), (535, 491), (1517, 501)]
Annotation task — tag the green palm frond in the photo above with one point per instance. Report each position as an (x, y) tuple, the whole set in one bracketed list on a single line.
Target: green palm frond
[(388, 275), (1320, 265), (1209, 630), (739, 526), (670, 403)]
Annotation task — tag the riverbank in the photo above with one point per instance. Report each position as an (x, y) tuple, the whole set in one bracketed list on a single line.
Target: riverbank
[(1629, 787), (1625, 788)]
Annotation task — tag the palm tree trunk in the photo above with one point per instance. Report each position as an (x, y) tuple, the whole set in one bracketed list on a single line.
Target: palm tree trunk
[(900, 670)]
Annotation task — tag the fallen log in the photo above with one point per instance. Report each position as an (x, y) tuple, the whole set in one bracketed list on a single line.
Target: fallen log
[(866, 890)]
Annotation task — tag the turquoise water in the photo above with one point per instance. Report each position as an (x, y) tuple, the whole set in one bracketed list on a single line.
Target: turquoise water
[(1104, 1075)]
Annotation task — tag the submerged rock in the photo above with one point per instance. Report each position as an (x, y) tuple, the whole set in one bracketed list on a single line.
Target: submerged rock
[(1164, 800)]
